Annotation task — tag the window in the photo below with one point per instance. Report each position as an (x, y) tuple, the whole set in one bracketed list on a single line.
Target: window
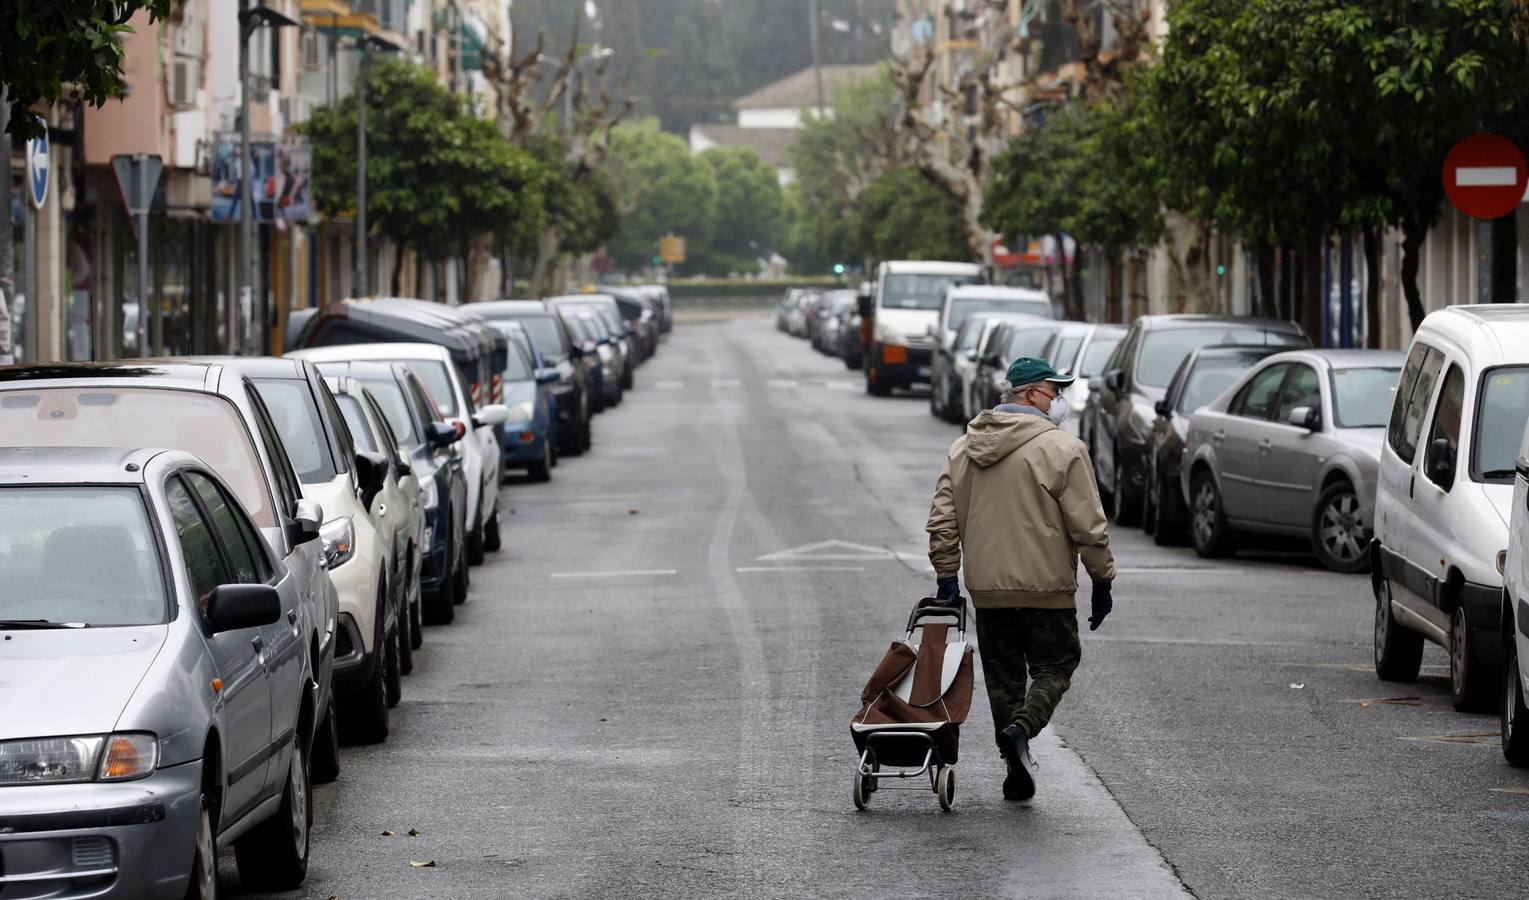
[(1208, 379), (286, 479), (1064, 353), (550, 338), (297, 421), (386, 443), (421, 396), (962, 307), (1500, 416), (1412, 397), (1163, 350), (432, 373), (203, 564), (1025, 341), (1362, 397), (517, 366), (355, 420), (1257, 398), (342, 433), (1446, 418), (1302, 388), (395, 409), (966, 338), (1094, 357), (920, 291), (244, 559)]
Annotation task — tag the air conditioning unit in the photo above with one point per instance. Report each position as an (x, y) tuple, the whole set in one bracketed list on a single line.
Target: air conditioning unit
[(295, 109), (312, 46), (188, 32), (185, 78)]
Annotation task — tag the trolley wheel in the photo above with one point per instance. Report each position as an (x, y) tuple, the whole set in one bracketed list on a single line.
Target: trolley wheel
[(861, 793), (945, 787), (871, 781)]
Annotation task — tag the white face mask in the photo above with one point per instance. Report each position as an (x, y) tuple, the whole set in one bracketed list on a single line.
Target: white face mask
[(1058, 411)]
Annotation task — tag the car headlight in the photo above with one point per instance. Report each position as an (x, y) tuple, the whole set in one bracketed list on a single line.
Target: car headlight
[(64, 760), (522, 412), (339, 537)]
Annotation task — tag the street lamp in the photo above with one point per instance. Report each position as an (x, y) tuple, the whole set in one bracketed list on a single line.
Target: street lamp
[(365, 44), (597, 52), (250, 18)]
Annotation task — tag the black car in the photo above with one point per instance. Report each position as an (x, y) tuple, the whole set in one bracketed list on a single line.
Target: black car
[(562, 351), (1122, 409), (623, 335), (1204, 374)]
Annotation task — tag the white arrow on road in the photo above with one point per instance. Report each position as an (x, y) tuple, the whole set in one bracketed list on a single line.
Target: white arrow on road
[(830, 550)]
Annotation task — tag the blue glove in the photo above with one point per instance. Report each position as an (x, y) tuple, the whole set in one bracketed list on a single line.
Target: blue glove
[(948, 590), (1103, 603)]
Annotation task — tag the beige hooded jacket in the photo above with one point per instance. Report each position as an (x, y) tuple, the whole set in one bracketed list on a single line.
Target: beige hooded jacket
[(1018, 497)]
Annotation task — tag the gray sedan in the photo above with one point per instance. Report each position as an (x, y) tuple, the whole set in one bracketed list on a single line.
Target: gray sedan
[(1292, 448), (159, 701)]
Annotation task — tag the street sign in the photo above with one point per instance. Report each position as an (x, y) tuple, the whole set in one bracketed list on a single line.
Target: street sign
[(37, 170), (1485, 176), (137, 180), (1003, 256), (671, 249)]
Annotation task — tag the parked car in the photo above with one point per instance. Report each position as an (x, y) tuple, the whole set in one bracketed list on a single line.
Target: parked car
[(955, 366), (571, 392), (1205, 373), (1122, 403), (1292, 448), (852, 337), (1081, 349), (961, 303), (600, 345), (1512, 712), (639, 316), (622, 335), (482, 461), (530, 434), (436, 456), (360, 545), (216, 415), (134, 579), (399, 504), (837, 307), (906, 300), (1013, 336), (1442, 503)]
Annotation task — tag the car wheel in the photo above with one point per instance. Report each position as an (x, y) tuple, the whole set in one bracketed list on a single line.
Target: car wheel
[(1127, 508), (459, 583), (365, 717), (851, 363), (587, 435), (202, 884), (325, 764), (1168, 508), (935, 407), (541, 470), (1337, 530), (405, 641), (874, 385), (393, 669), (1514, 715), (491, 539), (1208, 526), (1398, 650), (627, 381), (1469, 682), (475, 542), (274, 855), (417, 622)]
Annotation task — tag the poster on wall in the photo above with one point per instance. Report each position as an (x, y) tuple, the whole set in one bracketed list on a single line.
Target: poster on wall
[(281, 179), (293, 186)]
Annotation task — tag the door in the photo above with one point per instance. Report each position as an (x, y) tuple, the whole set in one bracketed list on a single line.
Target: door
[(243, 706), (1292, 456), (1433, 531), (1239, 440), (1395, 524)]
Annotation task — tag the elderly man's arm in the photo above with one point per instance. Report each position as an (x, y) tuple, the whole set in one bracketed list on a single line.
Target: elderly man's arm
[(944, 529), (1083, 515)]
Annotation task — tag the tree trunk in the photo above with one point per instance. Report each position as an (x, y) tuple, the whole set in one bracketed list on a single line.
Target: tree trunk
[(480, 252), (398, 251), (1264, 254), (1311, 293), (548, 241), (1189, 288), (1413, 234), (1112, 282), (1505, 259), (1372, 288)]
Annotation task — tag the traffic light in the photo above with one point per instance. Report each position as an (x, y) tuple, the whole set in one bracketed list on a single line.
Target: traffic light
[(839, 268), (1220, 269), (658, 261)]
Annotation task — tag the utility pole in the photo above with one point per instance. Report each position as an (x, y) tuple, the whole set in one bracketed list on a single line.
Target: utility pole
[(359, 288), (7, 233), (246, 293), (817, 54)]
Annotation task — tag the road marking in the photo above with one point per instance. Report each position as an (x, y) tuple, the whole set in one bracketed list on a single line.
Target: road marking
[(668, 385), (829, 551), (840, 385), (1470, 737), (800, 569), (1486, 176), (782, 382), (629, 573), (726, 383)]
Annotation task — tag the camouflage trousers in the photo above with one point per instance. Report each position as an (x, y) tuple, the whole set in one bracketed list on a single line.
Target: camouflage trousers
[(1038, 645)]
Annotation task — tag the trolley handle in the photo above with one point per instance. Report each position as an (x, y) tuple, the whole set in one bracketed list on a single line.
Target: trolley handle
[(930, 607)]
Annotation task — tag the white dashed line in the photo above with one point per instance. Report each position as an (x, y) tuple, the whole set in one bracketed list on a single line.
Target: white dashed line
[(800, 569), (630, 573), (725, 383), (782, 382), (668, 385)]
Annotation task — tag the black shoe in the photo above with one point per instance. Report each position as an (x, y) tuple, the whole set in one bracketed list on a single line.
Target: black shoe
[(1014, 744)]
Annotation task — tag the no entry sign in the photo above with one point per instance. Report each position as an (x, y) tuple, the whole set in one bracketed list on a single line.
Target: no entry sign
[(1485, 176)]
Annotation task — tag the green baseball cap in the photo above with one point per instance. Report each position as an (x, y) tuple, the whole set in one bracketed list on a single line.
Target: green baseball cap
[(1029, 370)]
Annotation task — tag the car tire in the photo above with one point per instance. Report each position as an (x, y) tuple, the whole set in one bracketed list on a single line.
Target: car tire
[(475, 543), (417, 623), (459, 583), (405, 641), (324, 766), (365, 717), (1169, 514), (273, 856), (935, 408), (873, 383), (202, 883), (1398, 650), (851, 363), (492, 540), (1127, 508), (393, 668), (1211, 533), (541, 470), (1513, 714), (627, 380), (1337, 533), (1470, 683)]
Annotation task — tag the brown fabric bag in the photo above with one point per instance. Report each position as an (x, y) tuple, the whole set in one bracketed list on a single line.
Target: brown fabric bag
[(880, 705)]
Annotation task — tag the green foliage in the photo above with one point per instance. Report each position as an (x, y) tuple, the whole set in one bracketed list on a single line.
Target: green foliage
[(662, 190), (902, 216), (47, 44), (750, 209), (437, 176)]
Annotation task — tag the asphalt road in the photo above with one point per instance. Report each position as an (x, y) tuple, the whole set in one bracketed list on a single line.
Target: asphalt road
[(648, 693)]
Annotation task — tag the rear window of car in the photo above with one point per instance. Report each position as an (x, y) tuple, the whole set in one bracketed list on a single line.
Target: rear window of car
[(962, 307), (390, 399), (1097, 354), (1163, 350), (297, 421), (548, 336), (1027, 342), (206, 425), (437, 381), (1362, 397), (355, 420), (1208, 379)]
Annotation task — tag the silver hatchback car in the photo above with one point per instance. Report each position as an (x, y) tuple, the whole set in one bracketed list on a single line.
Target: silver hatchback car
[(157, 695)]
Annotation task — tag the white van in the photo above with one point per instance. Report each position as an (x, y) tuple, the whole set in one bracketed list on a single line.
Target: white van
[(1443, 496), (1515, 619), (907, 300)]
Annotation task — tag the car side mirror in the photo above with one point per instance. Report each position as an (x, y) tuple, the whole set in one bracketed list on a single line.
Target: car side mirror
[(443, 434), (307, 516), (231, 607), (1163, 408), (491, 415), (1439, 464), (1306, 417), (546, 376), (401, 466), (1115, 380), (371, 474)]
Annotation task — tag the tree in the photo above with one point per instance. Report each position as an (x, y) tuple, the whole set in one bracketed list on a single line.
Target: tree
[(661, 189), (901, 215), (51, 49), (749, 209)]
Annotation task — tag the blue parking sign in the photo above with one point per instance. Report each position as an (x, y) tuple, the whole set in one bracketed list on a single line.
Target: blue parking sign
[(37, 170)]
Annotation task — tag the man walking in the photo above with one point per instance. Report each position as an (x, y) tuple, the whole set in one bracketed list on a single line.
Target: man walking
[(1018, 498)]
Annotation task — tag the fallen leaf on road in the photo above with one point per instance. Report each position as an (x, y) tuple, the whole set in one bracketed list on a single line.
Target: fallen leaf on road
[(415, 832), (631, 512), (387, 834), (422, 863)]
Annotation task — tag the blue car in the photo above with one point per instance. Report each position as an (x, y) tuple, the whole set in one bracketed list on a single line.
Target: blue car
[(529, 438)]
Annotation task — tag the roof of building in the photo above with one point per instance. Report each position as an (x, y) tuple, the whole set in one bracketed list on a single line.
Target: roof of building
[(772, 144), (801, 90)]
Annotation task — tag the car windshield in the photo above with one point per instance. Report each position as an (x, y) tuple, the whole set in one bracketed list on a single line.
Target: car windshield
[(1027, 342), (1164, 350), (961, 307), (1362, 397), (206, 425), (432, 372), (390, 399), (1208, 379), (967, 337), (79, 555), (1097, 354), (920, 291), (297, 421), (1500, 416), (548, 337), (355, 420)]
